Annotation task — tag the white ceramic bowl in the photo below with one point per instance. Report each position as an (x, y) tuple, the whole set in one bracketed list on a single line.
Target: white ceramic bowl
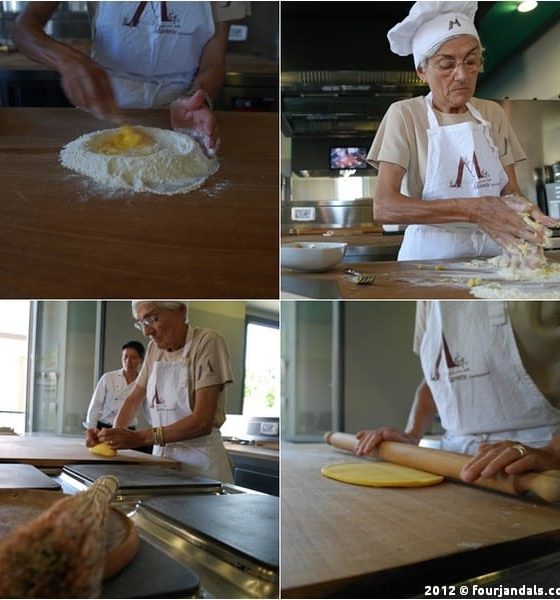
[(312, 256)]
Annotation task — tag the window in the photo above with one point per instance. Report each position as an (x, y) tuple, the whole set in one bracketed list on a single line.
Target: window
[(14, 329), (261, 384)]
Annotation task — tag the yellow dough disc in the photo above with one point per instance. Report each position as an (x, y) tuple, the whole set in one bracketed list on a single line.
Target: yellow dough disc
[(103, 449), (380, 474)]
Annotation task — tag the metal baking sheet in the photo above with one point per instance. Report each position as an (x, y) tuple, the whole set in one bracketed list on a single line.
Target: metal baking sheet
[(136, 479), (167, 578), (25, 477), (245, 523)]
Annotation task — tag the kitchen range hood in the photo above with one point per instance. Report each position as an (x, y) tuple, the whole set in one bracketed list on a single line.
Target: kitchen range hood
[(342, 103), (324, 110)]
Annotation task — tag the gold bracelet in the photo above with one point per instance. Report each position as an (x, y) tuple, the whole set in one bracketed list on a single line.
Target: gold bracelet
[(158, 436)]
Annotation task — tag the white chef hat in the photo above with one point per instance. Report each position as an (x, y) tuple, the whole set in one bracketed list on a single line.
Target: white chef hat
[(429, 24)]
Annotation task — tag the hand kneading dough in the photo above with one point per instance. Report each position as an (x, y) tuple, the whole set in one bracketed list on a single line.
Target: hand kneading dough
[(380, 474), (103, 449)]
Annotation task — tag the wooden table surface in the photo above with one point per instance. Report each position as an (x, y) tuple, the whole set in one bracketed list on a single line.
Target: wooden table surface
[(63, 238), (50, 451), (339, 539), (393, 280)]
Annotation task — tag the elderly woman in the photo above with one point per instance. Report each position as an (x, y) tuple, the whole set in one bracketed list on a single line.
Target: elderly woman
[(446, 162), (491, 374), (143, 55), (182, 380)]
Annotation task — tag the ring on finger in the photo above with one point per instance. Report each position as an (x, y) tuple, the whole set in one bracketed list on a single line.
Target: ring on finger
[(521, 449)]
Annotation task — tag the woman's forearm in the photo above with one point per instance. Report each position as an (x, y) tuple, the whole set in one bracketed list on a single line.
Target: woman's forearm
[(400, 209), (130, 407), (422, 412)]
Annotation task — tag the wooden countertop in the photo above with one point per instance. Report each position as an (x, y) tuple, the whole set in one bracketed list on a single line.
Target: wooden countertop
[(49, 451), (253, 451), (393, 280), (341, 540), (62, 238)]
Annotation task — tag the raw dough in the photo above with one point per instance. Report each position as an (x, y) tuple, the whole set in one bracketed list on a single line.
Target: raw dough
[(144, 159), (380, 474), (103, 449)]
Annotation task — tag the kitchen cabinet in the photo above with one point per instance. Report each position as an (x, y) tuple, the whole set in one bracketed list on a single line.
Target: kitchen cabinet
[(255, 468), (341, 540)]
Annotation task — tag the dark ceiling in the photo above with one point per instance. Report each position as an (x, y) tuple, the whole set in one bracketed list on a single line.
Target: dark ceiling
[(353, 35)]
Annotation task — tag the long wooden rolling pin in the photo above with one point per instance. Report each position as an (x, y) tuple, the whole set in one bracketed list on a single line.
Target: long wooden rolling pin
[(545, 484)]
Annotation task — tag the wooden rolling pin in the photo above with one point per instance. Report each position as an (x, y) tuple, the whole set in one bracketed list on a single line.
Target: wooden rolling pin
[(545, 484)]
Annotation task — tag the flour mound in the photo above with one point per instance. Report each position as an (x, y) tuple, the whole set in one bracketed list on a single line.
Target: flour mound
[(172, 163)]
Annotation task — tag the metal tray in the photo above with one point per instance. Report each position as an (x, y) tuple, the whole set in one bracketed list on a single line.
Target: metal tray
[(152, 574), (138, 481), (231, 540), (25, 477)]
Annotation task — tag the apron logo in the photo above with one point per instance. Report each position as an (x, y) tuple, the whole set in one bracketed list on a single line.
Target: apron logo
[(473, 167), (458, 368), (156, 400), (167, 18), (453, 23), (450, 361)]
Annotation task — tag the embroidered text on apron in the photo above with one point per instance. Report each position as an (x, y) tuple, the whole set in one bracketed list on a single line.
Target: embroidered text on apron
[(462, 162), (151, 50), (479, 384)]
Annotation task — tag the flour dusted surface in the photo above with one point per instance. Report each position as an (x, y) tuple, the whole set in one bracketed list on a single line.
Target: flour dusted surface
[(173, 163)]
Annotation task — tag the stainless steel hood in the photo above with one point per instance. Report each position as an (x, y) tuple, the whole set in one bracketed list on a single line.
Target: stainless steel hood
[(342, 103)]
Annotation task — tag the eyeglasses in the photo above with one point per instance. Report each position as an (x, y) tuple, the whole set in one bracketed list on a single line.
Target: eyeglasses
[(141, 324), (472, 63)]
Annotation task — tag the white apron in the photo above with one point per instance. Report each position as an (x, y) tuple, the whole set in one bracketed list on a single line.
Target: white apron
[(167, 395), (462, 162), (481, 389), (151, 50)]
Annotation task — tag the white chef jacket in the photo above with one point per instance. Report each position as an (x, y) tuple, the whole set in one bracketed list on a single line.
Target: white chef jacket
[(108, 397)]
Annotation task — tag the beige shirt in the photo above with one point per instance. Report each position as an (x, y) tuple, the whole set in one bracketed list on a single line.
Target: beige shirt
[(402, 138), (536, 326), (207, 362)]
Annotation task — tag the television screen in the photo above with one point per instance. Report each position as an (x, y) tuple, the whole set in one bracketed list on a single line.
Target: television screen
[(348, 157)]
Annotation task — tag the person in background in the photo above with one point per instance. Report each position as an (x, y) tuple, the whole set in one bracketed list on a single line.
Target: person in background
[(183, 381), (446, 162), (143, 55), (492, 373), (113, 387)]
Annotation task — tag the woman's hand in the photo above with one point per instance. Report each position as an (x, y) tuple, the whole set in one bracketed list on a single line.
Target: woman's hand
[(91, 437), (120, 438), (508, 457), (512, 220), (369, 439), (193, 116), (88, 87)]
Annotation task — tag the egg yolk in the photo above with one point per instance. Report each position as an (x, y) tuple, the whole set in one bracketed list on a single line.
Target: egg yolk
[(125, 138)]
